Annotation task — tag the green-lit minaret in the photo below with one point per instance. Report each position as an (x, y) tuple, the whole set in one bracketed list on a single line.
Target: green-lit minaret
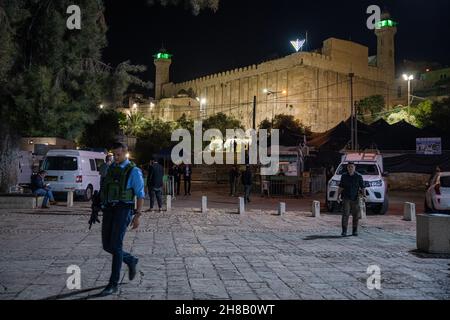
[(385, 31), (162, 61)]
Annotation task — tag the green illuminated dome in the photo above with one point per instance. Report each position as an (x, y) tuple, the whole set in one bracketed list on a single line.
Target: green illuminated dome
[(386, 21), (163, 55)]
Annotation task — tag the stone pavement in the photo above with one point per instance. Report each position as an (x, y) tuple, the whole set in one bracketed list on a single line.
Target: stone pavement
[(221, 255)]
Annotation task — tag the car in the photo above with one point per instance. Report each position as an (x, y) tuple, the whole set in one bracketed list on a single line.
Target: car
[(370, 166), (437, 199), (74, 170)]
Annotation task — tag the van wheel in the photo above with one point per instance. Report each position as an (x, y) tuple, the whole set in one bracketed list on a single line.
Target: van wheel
[(331, 206), (426, 207), (88, 194)]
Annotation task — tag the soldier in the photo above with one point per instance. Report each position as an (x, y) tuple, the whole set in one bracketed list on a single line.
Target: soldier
[(350, 189), (123, 182)]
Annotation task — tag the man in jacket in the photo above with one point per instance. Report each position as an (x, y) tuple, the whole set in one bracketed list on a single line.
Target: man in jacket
[(40, 189), (123, 182), (155, 183), (350, 189)]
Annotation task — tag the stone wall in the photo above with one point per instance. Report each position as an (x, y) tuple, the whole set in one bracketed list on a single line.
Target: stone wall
[(316, 85)]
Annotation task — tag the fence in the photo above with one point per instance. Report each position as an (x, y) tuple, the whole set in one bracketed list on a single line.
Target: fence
[(280, 186)]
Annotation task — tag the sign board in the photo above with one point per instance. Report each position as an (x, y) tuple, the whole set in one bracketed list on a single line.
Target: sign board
[(429, 146)]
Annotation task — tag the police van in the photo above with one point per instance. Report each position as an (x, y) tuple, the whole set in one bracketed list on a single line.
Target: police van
[(74, 170), (370, 166)]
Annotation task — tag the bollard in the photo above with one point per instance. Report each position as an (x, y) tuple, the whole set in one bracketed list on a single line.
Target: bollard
[(362, 208), (169, 203), (316, 209), (241, 206), (204, 204), (409, 212), (70, 199), (282, 209)]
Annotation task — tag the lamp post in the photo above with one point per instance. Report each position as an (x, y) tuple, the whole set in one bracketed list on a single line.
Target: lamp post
[(409, 78)]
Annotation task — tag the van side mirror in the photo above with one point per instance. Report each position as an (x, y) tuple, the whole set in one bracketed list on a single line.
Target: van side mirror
[(385, 174)]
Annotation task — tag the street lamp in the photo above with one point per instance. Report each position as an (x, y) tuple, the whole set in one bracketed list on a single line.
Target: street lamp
[(275, 93), (409, 78)]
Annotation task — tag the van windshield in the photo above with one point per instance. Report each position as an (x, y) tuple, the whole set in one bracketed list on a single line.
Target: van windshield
[(445, 182), (363, 169), (60, 164)]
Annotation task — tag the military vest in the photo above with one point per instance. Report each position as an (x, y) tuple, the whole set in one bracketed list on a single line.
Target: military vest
[(114, 188)]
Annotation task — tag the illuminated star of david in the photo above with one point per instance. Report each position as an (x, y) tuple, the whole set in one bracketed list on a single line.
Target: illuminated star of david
[(298, 44)]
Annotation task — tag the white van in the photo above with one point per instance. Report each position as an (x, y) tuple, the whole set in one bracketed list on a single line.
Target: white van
[(370, 166), (74, 170)]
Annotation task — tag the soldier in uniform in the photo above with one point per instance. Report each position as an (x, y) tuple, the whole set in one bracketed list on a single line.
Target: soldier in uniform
[(123, 182)]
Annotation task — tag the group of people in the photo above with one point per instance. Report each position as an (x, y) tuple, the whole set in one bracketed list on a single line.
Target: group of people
[(176, 173)]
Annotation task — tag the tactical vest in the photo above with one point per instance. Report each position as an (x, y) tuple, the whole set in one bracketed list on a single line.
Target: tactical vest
[(114, 188)]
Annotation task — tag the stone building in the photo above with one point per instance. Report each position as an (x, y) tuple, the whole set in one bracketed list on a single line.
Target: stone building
[(315, 87)]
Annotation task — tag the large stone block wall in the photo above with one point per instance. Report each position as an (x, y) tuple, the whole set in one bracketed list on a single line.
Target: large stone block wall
[(317, 85)]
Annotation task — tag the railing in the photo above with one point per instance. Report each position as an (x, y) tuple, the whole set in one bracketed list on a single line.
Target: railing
[(280, 186)]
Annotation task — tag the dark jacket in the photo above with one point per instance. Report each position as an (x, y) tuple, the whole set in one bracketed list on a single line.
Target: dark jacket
[(234, 174), (187, 173), (155, 176), (37, 183), (247, 178), (351, 186)]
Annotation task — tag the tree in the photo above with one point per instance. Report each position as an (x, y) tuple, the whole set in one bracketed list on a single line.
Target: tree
[(52, 79), (222, 122), (369, 109), (292, 131), (194, 5), (133, 123), (155, 136), (103, 132), (439, 115)]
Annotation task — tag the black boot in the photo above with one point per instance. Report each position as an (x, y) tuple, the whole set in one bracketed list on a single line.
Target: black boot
[(109, 290), (344, 232), (355, 232)]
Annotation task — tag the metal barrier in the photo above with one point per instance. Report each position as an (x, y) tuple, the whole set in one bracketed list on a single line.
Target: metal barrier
[(169, 187), (280, 186)]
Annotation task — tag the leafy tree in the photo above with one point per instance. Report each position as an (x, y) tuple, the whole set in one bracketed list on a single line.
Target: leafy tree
[(133, 124), (222, 122), (155, 136), (103, 132), (292, 130), (369, 109), (185, 123), (194, 5), (439, 115)]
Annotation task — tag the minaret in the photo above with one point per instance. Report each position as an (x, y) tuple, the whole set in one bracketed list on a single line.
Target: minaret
[(162, 61), (385, 31)]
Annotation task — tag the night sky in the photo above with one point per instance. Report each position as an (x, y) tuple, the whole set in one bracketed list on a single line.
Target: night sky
[(246, 32)]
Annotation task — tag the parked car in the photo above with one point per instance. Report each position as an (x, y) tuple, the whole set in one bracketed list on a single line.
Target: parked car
[(437, 197), (74, 170), (370, 166)]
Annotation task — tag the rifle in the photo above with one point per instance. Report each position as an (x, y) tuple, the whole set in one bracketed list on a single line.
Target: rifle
[(96, 208)]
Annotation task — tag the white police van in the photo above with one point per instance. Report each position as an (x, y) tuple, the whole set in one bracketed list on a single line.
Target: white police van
[(74, 170), (370, 166)]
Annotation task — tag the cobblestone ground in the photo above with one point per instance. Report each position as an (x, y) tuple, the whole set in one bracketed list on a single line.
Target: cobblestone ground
[(189, 255)]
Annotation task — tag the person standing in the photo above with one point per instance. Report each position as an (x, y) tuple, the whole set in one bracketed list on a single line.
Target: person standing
[(40, 189), (351, 188), (187, 175), (155, 183), (247, 181), (177, 174), (123, 182), (233, 177)]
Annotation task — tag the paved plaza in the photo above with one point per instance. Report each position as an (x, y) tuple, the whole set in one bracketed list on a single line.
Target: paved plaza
[(189, 255)]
